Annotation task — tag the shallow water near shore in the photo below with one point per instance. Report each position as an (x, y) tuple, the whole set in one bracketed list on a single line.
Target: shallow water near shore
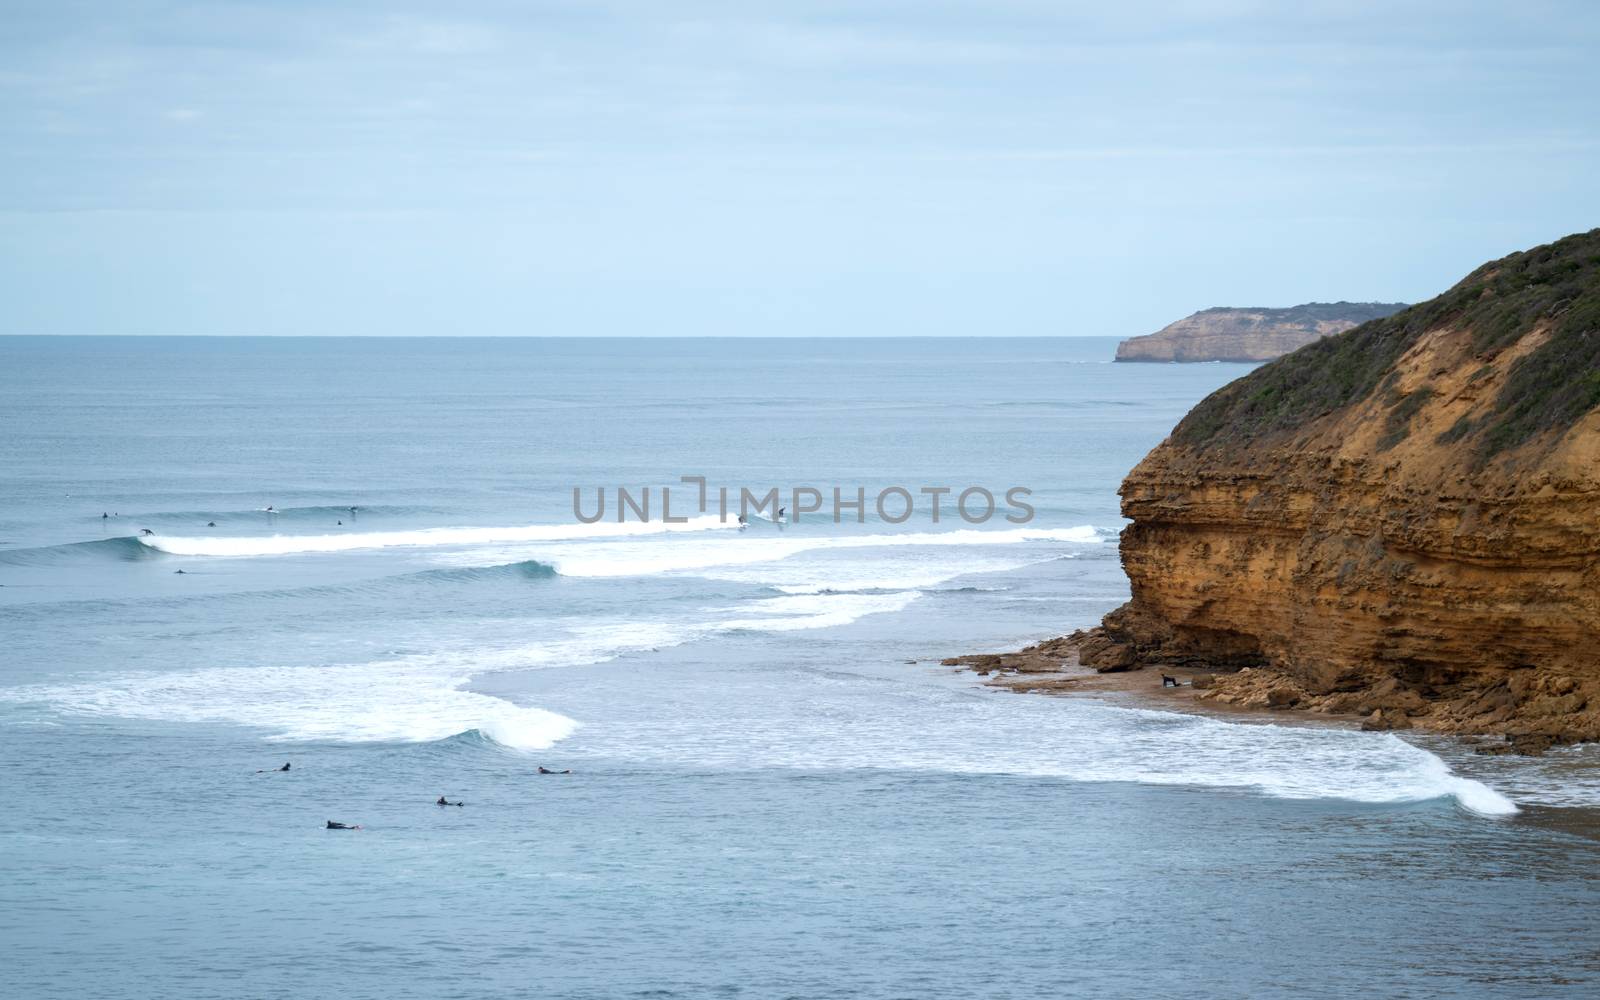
[(777, 791)]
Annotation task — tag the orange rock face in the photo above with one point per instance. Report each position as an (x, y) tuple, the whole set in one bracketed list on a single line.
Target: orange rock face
[(1427, 550)]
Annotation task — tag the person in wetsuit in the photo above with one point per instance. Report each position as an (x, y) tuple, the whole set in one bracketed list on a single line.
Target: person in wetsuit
[(340, 826), (546, 770)]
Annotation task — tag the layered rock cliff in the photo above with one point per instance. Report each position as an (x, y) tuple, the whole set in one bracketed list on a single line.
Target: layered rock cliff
[(1402, 520), (1225, 334)]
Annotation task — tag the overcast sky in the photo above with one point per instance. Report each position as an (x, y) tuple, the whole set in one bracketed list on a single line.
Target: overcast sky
[(678, 167)]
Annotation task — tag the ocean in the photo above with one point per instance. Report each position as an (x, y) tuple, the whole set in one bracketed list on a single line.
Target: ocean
[(363, 560)]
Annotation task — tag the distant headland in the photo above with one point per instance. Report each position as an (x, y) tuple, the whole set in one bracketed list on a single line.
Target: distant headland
[(1251, 334)]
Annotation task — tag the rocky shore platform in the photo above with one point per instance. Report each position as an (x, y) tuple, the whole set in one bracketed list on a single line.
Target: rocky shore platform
[(1092, 663)]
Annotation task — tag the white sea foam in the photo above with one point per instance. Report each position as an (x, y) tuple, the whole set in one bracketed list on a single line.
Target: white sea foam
[(808, 611), (1566, 777), (244, 546), (406, 698), (818, 721), (424, 697), (350, 703), (684, 554)]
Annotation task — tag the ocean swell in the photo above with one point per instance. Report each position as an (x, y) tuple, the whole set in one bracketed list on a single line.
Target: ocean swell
[(121, 549)]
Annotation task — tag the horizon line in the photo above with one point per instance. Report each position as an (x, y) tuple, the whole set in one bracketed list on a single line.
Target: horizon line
[(565, 336)]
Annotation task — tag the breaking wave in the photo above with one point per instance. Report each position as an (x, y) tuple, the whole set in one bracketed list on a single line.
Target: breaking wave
[(247, 546), (420, 698), (937, 729), (680, 553)]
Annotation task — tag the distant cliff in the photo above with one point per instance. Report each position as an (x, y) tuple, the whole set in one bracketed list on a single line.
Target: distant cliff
[(1401, 521), (1225, 334)]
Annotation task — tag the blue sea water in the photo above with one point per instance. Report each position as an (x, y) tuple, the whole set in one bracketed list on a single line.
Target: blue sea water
[(776, 789)]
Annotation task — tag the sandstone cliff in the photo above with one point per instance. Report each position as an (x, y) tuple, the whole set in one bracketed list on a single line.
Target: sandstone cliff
[(1225, 334), (1402, 520)]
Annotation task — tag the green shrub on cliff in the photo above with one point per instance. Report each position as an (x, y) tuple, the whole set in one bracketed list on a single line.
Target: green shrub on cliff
[(1401, 410), (1557, 285)]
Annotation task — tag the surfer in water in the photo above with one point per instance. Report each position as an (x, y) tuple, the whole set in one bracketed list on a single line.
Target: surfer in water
[(146, 531), (446, 802), (211, 524), (546, 770), (270, 510), (180, 572), (275, 770), (781, 512), (104, 516), (340, 826)]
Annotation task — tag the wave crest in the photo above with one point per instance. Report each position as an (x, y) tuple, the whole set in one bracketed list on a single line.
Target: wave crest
[(121, 549), (246, 546)]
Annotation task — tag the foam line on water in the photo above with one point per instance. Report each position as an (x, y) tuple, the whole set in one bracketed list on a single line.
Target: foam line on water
[(1296, 762), (348, 703), (1565, 777), (630, 557), (748, 720), (424, 697), (407, 699), (808, 611), (246, 546)]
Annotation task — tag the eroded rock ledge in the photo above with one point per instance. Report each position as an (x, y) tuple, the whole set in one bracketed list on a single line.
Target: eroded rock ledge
[(1527, 711)]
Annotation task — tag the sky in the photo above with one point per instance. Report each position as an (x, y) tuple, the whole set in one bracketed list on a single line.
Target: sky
[(682, 167)]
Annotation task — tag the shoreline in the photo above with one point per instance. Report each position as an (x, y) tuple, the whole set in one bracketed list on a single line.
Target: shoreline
[(1051, 667)]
